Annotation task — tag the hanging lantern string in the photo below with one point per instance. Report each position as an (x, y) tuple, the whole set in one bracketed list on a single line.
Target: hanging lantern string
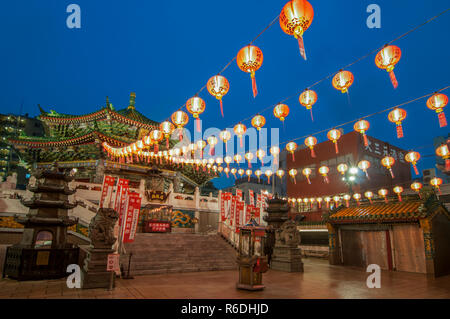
[(373, 189), (366, 116), (346, 123), (350, 64)]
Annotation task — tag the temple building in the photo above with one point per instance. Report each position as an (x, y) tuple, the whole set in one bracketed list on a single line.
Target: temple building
[(75, 142)]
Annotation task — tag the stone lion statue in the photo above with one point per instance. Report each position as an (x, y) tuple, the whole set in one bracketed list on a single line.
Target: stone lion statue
[(287, 234), (101, 228)]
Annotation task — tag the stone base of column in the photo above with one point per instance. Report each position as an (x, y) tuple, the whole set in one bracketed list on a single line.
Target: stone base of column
[(94, 274), (287, 259)]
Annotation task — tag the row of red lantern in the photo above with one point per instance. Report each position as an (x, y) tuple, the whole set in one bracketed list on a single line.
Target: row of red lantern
[(383, 192)]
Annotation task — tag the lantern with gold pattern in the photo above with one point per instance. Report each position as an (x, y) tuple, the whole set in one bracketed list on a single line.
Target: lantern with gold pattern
[(218, 86), (249, 59)]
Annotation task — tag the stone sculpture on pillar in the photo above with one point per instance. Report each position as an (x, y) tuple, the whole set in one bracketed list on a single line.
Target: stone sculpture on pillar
[(101, 233)]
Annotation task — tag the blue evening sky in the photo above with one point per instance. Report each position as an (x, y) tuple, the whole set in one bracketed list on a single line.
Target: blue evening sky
[(165, 51)]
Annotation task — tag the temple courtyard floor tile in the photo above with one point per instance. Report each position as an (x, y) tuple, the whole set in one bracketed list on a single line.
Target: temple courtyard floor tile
[(320, 280)]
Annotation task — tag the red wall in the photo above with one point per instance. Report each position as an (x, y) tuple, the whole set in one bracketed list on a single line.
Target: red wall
[(349, 144)]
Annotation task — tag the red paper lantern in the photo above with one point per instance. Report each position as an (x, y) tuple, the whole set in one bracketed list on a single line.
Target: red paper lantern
[(293, 173), (436, 182), (196, 106), (239, 130), (180, 119), (249, 59), (167, 129), (443, 152), (387, 58), (398, 190), (369, 196), (383, 193), (258, 121), (416, 186), (218, 86), (308, 98), (281, 111), (323, 170), (343, 80), (437, 102), (333, 135), (307, 172), (413, 157), (310, 141), (295, 19), (362, 126), (388, 162), (397, 116), (291, 147), (364, 165)]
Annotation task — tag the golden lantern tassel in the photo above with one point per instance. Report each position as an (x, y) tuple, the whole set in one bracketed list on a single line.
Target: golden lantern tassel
[(295, 180), (392, 173), (393, 79), (326, 179), (167, 142), (254, 87), (293, 157), (313, 154), (211, 150), (399, 197), (442, 119), (240, 142), (221, 106), (447, 164), (307, 178), (385, 200), (156, 148), (415, 169), (370, 200), (249, 178), (249, 165), (312, 117), (336, 147), (180, 134)]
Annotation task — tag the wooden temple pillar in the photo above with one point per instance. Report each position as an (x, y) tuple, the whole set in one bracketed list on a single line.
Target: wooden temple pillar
[(332, 245), (426, 226)]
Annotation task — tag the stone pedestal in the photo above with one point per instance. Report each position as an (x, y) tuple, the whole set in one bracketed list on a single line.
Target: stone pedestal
[(287, 259), (286, 253), (101, 233), (94, 274)]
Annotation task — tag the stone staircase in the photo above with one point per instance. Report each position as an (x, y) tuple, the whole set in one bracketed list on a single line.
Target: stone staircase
[(170, 253)]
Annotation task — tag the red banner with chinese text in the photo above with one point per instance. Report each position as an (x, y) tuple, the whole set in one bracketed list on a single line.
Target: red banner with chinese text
[(132, 217), (107, 190)]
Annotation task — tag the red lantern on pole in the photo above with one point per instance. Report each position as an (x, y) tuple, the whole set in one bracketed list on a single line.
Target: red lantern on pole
[(295, 19), (437, 102), (218, 86), (308, 98), (397, 116), (413, 157), (310, 141), (388, 162), (362, 126), (342, 81), (387, 58), (249, 59), (443, 152), (333, 135)]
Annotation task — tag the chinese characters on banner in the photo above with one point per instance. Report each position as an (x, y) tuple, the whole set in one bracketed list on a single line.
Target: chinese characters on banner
[(132, 217), (258, 200), (233, 209), (107, 191), (113, 262), (239, 194), (121, 196), (251, 196), (239, 214), (225, 206)]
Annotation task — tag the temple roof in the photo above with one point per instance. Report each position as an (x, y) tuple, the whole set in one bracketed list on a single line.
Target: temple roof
[(410, 210)]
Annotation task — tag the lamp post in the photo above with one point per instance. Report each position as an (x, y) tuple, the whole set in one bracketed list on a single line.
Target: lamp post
[(351, 177)]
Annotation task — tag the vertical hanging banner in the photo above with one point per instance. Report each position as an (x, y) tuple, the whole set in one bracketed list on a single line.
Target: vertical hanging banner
[(239, 194), (233, 209), (249, 210), (258, 201), (107, 190), (132, 217), (239, 214), (121, 196), (225, 206), (251, 196)]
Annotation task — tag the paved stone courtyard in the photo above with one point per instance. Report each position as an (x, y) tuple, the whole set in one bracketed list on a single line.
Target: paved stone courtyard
[(320, 280)]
